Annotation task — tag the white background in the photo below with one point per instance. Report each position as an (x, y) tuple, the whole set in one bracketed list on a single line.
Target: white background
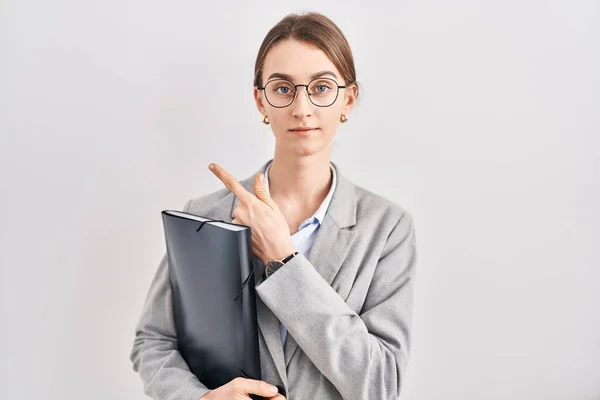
[(481, 118)]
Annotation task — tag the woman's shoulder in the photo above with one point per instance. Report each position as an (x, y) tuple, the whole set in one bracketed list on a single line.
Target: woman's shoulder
[(371, 204), (212, 205), (380, 219)]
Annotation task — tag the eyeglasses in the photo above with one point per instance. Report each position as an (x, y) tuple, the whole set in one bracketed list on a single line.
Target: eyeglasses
[(322, 92)]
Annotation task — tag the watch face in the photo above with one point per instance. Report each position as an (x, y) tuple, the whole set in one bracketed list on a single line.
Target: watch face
[(272, 266)]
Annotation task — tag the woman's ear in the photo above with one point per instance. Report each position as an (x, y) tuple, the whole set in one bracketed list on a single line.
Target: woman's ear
[(350, 98), (259, 99)]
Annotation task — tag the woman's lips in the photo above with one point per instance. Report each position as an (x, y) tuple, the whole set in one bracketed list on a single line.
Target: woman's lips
[(303, 131)]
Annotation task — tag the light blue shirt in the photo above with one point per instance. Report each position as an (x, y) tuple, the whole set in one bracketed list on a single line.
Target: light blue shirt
[(307, 232)]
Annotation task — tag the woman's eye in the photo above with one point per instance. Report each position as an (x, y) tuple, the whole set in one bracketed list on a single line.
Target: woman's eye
[(283, 90), (322, 88)]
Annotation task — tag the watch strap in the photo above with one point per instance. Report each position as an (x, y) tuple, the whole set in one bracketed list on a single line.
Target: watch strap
[(282, 262), (288, 258)]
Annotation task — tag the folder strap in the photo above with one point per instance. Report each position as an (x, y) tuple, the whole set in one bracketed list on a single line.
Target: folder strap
[(204, 222), (245, 282)]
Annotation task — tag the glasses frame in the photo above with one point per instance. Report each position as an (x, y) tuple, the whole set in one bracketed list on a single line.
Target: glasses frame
[(305, 88)]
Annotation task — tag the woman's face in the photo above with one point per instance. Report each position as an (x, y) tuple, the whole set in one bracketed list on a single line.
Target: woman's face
[(300, 63)]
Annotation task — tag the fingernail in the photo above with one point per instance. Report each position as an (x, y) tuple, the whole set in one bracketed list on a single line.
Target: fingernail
[(211, 166), (273, 389)]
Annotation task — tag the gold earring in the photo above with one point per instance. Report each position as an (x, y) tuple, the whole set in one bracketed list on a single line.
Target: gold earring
[(266, 120), (343, 118)]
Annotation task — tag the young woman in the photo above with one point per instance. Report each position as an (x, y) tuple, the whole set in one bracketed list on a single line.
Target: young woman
[(334, 302)]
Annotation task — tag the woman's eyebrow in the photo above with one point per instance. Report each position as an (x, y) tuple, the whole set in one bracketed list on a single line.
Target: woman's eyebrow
[(319, 74)]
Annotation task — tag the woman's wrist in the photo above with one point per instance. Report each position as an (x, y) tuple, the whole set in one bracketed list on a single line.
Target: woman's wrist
[(283, 254)]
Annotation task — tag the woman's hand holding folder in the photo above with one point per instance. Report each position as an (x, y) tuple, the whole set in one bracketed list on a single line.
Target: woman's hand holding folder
[(241, 388), (271, 238)]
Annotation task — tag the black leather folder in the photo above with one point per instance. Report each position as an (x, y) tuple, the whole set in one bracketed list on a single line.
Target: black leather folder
[(214, 297)]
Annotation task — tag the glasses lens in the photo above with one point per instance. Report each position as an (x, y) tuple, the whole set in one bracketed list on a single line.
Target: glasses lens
[(279, 93), (323, 91)]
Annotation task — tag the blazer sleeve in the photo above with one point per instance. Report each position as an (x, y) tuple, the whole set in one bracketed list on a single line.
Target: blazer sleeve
[(165, 374), (363, 355)]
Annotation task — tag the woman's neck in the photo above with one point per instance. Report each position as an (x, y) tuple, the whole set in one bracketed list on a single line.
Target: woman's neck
[(300, 181)]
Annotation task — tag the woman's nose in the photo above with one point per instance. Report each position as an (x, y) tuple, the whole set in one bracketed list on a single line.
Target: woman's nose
[(302, 106)]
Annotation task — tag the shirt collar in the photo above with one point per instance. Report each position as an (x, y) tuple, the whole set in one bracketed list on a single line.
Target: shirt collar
[(319, 215)]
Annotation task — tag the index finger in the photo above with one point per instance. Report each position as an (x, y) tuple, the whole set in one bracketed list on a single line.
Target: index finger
[(231, 183)]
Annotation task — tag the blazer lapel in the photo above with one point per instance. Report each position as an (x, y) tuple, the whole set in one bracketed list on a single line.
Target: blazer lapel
[(333, 240), (269, 328)]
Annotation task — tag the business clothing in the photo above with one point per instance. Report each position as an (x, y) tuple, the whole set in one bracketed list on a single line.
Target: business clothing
[(347, 306), (307, 232)]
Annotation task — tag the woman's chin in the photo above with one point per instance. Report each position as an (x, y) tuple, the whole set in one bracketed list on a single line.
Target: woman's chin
[(306, 148), (301, 145)]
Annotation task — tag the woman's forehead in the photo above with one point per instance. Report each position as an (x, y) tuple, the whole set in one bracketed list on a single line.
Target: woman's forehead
[(298, 61)]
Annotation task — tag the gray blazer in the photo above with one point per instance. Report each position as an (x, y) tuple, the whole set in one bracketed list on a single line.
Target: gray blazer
[(347, 308)]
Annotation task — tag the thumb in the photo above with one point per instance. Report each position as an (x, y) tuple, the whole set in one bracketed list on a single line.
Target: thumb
[(260, 190)]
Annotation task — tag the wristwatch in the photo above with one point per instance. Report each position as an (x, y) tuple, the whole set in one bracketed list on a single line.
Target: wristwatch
[(274, 265)]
